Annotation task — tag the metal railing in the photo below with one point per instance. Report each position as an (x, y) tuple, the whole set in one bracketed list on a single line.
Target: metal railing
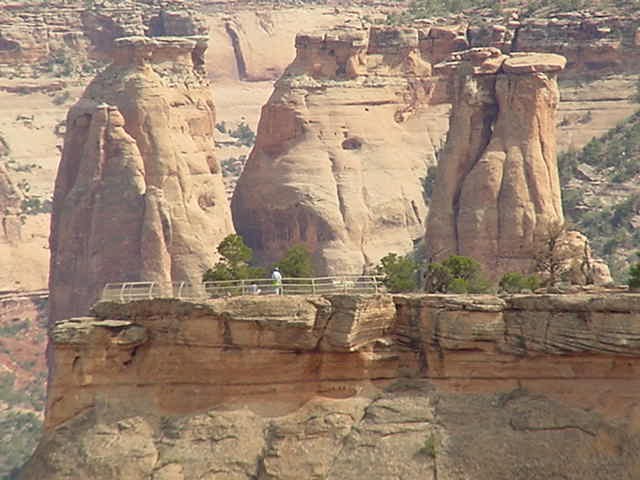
[(131, 291)]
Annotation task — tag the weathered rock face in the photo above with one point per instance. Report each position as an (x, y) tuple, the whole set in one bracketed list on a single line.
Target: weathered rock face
[(325, 170), (590, 42), (341, 387), (497, 192), (139, 193), (33, 33)]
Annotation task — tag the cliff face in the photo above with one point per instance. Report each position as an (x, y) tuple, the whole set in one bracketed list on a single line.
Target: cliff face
[(341, 387), (139, 193), (326, 169), (31, 33)]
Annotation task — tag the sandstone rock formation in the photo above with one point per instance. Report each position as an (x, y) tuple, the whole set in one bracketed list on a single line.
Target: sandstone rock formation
[(341, 387), (497, 193), (590, 41), (61, 30), (339, 156), (139, 193)]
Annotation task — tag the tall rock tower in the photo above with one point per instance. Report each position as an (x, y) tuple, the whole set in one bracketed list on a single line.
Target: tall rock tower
[(339, 157), (139, 193), (497, 191)]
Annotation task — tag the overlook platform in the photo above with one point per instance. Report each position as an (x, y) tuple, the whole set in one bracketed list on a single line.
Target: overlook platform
[(343, 284)]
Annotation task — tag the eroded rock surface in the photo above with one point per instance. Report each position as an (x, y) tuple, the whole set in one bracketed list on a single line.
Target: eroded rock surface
[(421, 386), (497, 193), (72, 31), (139, 193), (326, 169)]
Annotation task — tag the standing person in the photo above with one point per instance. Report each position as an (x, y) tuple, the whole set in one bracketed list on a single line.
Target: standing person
[(276, 276)]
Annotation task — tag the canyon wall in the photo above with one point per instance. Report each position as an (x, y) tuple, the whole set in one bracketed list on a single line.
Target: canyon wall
[(422, 386), (32, 33), (139, 192), (341, 152)]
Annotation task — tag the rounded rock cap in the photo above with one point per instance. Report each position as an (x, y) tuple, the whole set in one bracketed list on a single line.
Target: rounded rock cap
[(525, 62)]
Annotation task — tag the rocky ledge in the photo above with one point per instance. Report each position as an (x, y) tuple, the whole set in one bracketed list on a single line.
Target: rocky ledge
[(337, 387)]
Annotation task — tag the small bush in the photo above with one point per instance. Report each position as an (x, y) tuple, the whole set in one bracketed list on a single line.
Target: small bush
[(297, 262), (61, 98), (13, 328), (34, 205), (429, 448), (400, 273), (244, 134), (428, 183), (457, 274), (515, 282), (634, 275)]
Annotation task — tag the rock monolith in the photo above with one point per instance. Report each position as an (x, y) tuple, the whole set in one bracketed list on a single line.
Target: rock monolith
[(340, 155), (139, 193), (497, 192)]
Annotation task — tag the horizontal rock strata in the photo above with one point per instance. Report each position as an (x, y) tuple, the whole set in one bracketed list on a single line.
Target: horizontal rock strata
[(340, 386), (299, 346)]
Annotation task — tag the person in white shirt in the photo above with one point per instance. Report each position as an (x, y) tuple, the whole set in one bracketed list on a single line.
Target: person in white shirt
[(276, 276)]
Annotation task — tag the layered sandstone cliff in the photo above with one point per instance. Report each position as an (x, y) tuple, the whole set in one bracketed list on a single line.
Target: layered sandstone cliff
[(68, 31), (139, 193), (340, 152), (340, 387), (497, 192)]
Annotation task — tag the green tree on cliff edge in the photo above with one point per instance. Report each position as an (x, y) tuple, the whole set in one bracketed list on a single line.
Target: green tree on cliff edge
[(234, 263), (400, 273)]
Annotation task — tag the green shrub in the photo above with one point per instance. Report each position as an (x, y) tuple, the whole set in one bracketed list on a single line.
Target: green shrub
[(244, 134), (514, 282), (33, 205), (297, 262), (19, 431), (400, 273), (234, 264), (13, 328), (634, 275), (428, 183), (457, 274), (437, 278), (429, 448), (61, 98)]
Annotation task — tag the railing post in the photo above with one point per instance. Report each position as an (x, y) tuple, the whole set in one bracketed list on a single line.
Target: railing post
[(313, 286), (122, 292), (150, 294), (180, 290), (375, 284), (242, 290)]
